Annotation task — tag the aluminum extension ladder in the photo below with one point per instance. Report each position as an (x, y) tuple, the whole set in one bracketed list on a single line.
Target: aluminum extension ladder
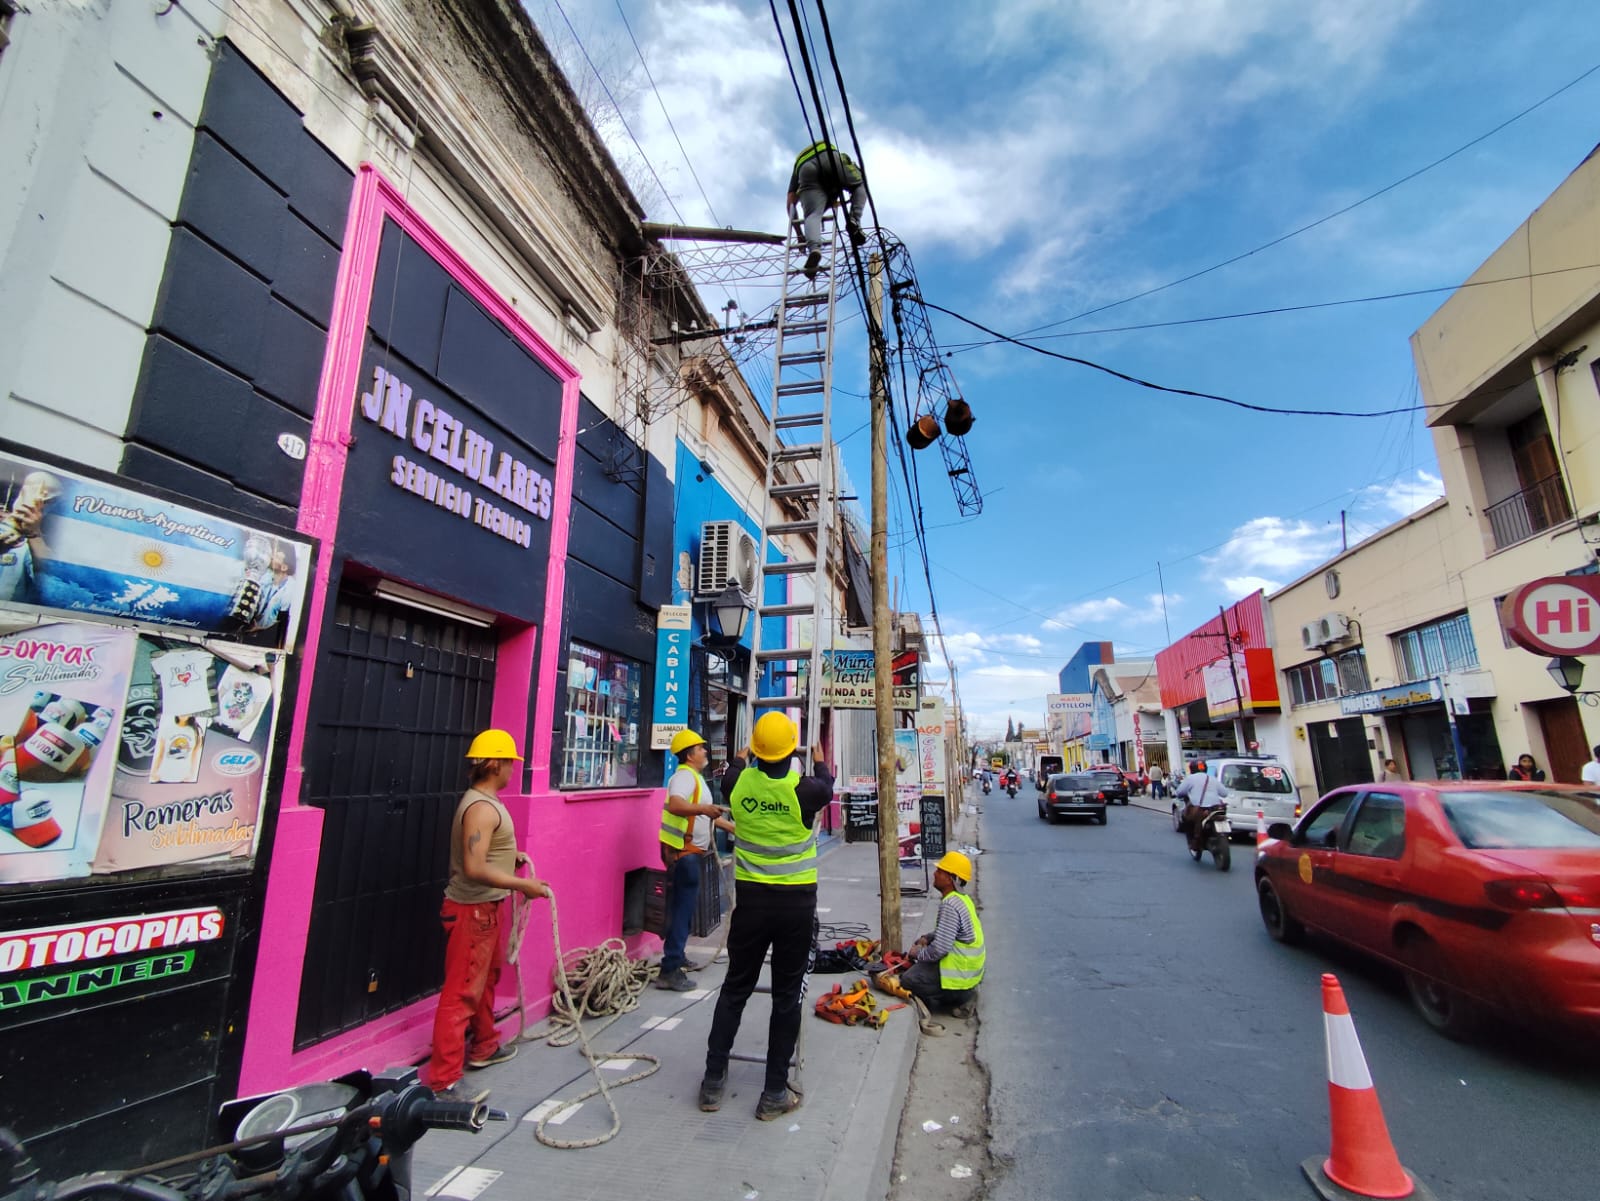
[(799, 493)]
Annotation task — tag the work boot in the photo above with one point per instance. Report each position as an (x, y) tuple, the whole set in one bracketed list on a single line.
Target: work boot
[(711, 1093), (812, 260), (965, 1010), (857, 237), (675, 981), (775, 1105)]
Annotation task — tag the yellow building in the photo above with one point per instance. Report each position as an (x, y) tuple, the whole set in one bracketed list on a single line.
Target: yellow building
[(1396, 647), (1511, 374)]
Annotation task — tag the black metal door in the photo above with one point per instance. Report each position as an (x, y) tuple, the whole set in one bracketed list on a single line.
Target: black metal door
[(399, 694), (1339, 752)]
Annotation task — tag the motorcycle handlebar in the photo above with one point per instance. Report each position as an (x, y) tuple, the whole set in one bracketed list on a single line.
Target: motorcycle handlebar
[(453, 1115)]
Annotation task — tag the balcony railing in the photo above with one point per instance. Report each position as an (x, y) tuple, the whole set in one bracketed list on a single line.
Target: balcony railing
[(1523, 514)]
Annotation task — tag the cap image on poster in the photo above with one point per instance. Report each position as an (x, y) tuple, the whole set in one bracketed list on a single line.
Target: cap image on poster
[(30, 820)]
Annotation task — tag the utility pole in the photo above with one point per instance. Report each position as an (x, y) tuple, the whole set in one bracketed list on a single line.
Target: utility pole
[(882, 638), (1233, 670)]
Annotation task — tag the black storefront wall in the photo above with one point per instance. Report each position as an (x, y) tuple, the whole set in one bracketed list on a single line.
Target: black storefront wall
[(449, 487), (119, 1069), (619, 565)]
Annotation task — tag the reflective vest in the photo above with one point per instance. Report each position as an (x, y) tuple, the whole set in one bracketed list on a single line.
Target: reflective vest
[(962, 968), (674, 828), (852, 173), (772, 845)]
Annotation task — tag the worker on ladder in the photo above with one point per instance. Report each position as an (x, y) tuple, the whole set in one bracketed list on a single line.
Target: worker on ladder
[(685, 851), (821, 178), (775, 904), (949, 962)]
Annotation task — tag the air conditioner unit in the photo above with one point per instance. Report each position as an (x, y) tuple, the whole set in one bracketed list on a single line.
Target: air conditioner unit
[(728, 558), (1335, 627), (1310, 635)]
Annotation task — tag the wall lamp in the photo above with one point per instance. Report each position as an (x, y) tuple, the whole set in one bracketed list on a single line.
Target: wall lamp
[(1567, 672), (729, 611)]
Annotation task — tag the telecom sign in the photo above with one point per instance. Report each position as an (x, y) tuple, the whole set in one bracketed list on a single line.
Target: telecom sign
[(1556, 615)]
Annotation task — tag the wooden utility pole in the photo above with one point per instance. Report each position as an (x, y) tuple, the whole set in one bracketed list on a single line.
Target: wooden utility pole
[(882, 636)]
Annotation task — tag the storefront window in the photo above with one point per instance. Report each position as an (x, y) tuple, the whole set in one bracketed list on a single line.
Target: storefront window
[(601, 749)]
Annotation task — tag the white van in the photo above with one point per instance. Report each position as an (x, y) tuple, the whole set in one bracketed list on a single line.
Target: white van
[(1254, 782)]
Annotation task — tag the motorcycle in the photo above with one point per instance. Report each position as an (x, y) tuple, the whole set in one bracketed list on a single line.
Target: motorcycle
[(1011, 789), (1216, 836), (986, 788), (347, 1139)]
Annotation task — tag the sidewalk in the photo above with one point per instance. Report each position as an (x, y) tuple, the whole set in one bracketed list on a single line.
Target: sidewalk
[(838, 1146)]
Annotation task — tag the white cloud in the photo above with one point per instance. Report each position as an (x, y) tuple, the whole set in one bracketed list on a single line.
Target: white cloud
[(1277, 544), (1403, 497), (1112, 612), (1244, 585)]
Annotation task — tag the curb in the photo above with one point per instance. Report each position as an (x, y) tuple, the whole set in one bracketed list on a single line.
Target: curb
[(878, 1107)]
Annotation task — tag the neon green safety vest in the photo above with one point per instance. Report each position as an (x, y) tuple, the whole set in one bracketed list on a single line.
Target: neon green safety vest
[(962, 968), (816, 148), (772, 845), (675, 828)]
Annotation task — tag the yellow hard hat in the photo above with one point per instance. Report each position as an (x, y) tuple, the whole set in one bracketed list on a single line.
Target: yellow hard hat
[(957, 864), (774, 737), (684, 739), (493, 744)]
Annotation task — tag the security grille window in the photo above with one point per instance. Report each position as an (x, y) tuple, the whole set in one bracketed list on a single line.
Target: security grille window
[(1433, 649), (601, 749), (1330, 678)]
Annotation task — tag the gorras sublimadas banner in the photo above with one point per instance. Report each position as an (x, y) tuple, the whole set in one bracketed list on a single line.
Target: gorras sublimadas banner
[(121, 750)]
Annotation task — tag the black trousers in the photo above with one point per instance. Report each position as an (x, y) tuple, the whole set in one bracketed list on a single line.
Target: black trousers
[(765, 916)]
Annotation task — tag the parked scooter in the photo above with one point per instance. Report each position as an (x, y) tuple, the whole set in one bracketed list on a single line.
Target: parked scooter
[(348, 1139), (1216, 836)]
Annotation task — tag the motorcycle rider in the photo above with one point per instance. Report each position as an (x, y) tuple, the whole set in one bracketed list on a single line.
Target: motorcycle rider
[(1198, 792)]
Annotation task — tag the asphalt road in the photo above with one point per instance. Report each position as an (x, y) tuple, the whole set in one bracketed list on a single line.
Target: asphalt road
[(1147, 1040)]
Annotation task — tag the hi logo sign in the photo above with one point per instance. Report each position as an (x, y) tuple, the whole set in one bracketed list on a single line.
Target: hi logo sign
[(1558, 615)]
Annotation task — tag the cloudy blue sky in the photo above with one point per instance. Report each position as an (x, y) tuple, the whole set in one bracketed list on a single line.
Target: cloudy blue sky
[(1040, 158)]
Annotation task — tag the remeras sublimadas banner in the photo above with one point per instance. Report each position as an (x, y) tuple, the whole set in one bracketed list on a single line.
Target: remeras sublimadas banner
[(121, 750), (87, 548)]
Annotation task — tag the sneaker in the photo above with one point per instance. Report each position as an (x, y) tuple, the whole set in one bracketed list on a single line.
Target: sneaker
[(711, 1093), (812, 260), (857, 237), (451, 1092), (504, 1052), (967, 1009), (674, 981), (775, 1105)]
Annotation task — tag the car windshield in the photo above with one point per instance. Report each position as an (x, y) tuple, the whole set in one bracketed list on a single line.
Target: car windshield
[(1074, 783), (1255, 777), (1485, 820)]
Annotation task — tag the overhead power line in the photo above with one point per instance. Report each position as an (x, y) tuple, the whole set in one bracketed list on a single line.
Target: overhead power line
[(1144, 383), (959, 347), (1295, 233)]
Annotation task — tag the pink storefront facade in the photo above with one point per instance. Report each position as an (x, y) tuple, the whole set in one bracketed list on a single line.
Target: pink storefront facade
[(324, 1001)]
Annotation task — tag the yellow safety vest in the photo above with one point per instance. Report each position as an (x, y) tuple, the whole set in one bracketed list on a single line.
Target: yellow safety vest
[(962, 968), (851, 171), (675, 828), (772, 845)]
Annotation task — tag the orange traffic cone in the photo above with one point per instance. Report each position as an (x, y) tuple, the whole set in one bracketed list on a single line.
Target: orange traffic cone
[(1362, 1162), (1261, 829)]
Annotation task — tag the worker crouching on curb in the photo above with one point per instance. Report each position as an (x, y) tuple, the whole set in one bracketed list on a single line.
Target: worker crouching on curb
[(775, 890), (949, 962), (685, 845), (483, 864)]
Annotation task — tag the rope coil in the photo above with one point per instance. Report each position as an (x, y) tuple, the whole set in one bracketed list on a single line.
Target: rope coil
[(589, 982)]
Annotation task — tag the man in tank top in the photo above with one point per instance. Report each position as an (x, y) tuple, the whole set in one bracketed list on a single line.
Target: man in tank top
[(483, 864)]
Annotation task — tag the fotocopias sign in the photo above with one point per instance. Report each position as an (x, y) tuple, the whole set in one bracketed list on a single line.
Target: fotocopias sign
[(1556, 615)]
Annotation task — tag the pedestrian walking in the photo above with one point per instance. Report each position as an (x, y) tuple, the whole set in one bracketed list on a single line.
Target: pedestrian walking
[(483, 864), (685, 846), (1526, 768), (823, 175), (775, 904), (1391, 772)]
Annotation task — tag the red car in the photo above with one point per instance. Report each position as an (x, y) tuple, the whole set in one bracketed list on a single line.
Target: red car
[(1487, 896)]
